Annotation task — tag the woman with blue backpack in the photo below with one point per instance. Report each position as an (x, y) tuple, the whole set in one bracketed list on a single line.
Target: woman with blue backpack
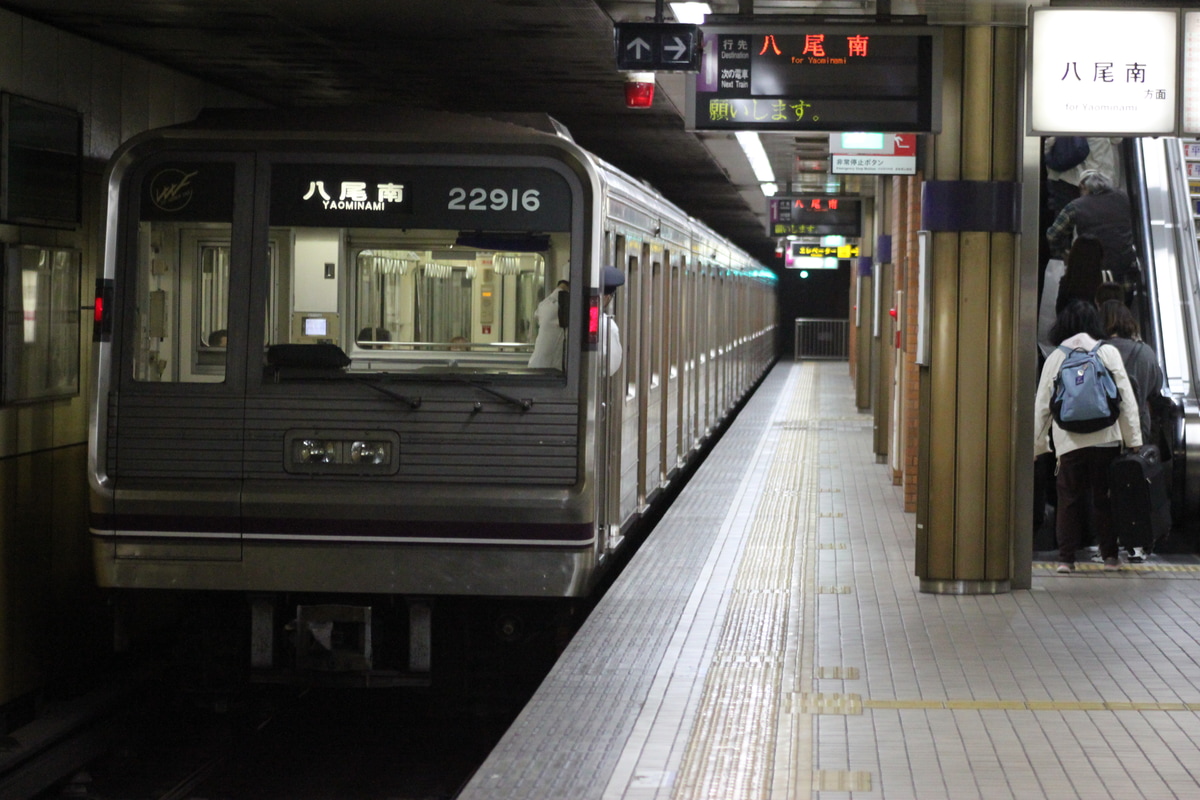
[(1084, 411)]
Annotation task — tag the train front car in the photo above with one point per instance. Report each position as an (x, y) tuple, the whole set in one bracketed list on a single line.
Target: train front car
[(332, 365)]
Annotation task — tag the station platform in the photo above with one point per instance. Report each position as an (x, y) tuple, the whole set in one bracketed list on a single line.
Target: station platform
[(769, 641)]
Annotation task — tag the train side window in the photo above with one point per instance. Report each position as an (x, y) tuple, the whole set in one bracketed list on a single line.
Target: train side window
[(657, 310), (41, 330), (630, 320)]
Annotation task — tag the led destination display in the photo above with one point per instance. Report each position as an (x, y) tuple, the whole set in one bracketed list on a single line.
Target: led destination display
[(826, 78)]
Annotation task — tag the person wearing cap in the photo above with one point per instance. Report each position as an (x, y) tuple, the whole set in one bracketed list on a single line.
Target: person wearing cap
[(610, 335)]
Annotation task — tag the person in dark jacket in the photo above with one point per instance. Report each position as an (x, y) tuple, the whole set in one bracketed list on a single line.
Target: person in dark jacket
[(1102, 212), (1084, 273), (1140, 361)]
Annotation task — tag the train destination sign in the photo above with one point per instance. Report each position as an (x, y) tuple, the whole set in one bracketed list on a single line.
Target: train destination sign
[(383, 196), (815, 215), (816, 77)]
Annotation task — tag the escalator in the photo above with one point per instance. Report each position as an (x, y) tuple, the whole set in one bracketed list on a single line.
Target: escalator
[(1165, 303)]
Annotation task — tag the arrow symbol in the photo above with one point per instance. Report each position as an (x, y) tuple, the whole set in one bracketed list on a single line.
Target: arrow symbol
[(900, 143), (676, 50), (636, 46)]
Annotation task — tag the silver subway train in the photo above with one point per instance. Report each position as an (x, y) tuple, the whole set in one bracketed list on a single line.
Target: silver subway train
[(316, 372)]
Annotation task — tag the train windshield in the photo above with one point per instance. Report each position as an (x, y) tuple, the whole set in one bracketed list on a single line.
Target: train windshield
[(405, 269)]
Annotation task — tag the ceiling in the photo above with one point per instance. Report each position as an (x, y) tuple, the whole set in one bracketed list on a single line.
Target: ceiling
[(552, 56)]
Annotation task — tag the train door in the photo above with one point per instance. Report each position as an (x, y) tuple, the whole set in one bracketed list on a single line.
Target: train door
[(673, 396), (615, 487), (633, 453), (650, 407), (182, 272)]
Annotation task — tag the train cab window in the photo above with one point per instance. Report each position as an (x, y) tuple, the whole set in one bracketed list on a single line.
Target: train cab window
[(183, 272), (413, 301), (357, 270), (41, 331), (183, 298)]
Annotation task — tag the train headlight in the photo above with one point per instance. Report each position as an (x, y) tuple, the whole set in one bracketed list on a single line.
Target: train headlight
[(314, 451), (334, 452), (370, 452)]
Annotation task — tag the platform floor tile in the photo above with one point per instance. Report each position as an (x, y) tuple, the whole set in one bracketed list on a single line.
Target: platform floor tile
[(770, 641)]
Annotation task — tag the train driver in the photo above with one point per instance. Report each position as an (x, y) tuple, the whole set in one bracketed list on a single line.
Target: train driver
[(610, 335)]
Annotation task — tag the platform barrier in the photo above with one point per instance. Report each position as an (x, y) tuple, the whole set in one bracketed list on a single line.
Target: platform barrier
[(822, 338)]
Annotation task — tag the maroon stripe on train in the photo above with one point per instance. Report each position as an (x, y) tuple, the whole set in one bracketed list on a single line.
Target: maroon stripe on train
[(558, 532)]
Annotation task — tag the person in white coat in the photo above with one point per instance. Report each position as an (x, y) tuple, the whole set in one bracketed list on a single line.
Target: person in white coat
[(548, 346), (1083, 459)]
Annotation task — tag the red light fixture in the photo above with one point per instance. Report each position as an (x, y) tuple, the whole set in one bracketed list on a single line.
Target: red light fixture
[(639, 89)]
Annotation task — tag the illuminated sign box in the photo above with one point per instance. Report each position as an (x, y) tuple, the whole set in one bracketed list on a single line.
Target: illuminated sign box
[(1103, 71), (802, 77), (816, 215), (802, 250), (1190, 122), (873, 153)]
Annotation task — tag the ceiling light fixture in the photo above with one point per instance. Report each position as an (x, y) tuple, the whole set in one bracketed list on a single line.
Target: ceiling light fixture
[(690, 13), (752, 147)]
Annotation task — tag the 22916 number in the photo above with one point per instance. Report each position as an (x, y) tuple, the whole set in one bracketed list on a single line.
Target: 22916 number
[(480, 199)]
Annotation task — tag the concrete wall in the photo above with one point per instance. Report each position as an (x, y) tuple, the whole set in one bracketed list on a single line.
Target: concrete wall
[(54, 626)]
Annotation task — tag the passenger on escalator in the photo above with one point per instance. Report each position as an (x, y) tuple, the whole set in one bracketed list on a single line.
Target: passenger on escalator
[(1102, 212), (1141, 363), (1084, 272), (1062, 185), (1109, 291), (1083, 459)]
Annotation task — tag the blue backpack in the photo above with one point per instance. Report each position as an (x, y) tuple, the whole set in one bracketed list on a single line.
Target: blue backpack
[(1085, 395)]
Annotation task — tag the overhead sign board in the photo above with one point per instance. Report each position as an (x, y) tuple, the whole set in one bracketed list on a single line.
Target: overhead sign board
[(817, 77), (800, 249), (814, 215), (1103, 71), (873, 154), (657, 47)]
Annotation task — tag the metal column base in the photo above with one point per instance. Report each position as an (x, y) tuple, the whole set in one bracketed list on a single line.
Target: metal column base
[(966, 587)]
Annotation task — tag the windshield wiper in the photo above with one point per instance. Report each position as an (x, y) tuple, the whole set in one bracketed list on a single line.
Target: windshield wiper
[(524, 405), (411, 402)]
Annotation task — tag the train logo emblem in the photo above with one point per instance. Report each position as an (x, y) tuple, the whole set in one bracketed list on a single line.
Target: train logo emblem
[(171, 189)]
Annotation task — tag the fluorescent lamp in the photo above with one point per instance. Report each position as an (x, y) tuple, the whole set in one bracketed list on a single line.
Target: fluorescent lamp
[(690, 13), (759, 162), (769, 189)]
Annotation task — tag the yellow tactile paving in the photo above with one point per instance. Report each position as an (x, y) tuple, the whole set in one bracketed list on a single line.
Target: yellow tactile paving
[(736, 744), (1147, 567)]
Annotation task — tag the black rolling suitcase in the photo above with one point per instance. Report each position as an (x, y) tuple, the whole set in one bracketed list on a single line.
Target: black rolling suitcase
[(1139, 498)]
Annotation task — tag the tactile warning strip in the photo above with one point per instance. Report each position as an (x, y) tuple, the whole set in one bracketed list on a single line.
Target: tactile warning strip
[(1144, 568), (733, 748)]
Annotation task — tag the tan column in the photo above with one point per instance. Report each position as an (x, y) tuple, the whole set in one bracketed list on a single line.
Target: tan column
[(968, 392)]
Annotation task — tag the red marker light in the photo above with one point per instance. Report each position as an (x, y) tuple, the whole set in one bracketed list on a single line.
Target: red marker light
[(639, 90), (99, 314)]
